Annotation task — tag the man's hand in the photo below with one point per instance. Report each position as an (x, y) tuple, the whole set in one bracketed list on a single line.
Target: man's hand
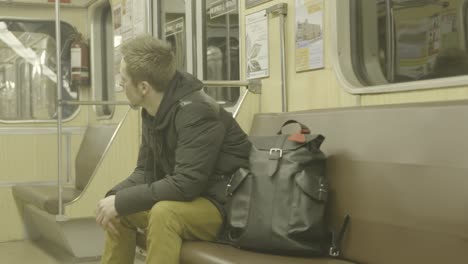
[(106, 214)]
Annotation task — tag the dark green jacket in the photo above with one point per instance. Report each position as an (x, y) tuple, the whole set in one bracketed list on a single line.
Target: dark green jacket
[(188, 150)]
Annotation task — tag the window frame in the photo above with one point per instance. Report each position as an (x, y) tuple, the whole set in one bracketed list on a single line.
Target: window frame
[(96, 58), (342, 54), (40, 121)]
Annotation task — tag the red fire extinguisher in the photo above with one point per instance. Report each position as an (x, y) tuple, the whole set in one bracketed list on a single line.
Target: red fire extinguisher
[(79, 61)]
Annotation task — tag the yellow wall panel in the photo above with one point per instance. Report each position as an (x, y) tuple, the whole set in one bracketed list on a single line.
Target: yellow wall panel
[(28, 158)]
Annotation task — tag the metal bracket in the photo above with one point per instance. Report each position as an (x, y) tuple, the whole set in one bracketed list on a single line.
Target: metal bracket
[(278, 9), (61, 218), (255, 86)]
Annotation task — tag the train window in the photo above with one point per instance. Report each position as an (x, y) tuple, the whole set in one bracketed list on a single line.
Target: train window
[(213, 26), (103, 59), (401, 41), (28, 70), (221, 48)]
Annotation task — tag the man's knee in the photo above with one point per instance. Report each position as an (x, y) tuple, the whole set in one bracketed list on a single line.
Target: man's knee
[(164, 214), (164, 209)]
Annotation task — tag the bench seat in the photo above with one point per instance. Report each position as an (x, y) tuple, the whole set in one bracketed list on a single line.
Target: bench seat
[(45, 197), (96, 140), (196, 252)]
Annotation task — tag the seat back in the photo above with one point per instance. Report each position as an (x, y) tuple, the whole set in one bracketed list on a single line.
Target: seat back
[(400, 172), (95, 142)]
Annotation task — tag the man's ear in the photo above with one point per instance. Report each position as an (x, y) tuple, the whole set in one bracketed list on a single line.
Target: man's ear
[(144, 87)]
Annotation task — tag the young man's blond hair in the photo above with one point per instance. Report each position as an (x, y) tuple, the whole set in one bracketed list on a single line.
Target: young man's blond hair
[(149, 59)]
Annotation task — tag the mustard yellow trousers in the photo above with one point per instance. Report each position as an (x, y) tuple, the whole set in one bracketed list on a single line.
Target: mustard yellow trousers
[(167, 224)]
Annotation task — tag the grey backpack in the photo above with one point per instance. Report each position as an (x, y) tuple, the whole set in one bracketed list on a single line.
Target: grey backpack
[(278, 205)]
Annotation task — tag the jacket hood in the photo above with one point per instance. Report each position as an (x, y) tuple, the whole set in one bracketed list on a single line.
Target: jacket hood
[(181, 85)]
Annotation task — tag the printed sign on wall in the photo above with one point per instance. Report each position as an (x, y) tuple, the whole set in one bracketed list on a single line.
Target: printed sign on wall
[(256, 42), (309, 34)]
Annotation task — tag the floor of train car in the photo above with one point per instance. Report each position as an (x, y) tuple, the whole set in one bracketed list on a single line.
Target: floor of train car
[(37, 252)]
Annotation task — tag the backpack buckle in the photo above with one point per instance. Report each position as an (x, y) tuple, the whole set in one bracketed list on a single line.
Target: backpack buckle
[(274, 150), (334, 252)]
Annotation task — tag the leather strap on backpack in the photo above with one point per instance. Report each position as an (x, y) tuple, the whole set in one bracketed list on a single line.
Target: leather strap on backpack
[(335, 248)]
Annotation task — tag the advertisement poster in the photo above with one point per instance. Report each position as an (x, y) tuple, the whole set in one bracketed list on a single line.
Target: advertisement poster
[(256, 42), (309, 35)]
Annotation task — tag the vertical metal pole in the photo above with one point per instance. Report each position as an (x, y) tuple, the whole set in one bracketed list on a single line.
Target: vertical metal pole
[(390, 47), (199, 37), (284, 107), (228, 46), (190, 39), (149, 19), (282, 10), (59, 106)]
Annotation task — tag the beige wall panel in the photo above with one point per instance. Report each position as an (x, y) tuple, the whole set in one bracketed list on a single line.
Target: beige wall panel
[(317, 89), (270, 100), (26, 158), (12, 225), (16, 158), (247, 112)]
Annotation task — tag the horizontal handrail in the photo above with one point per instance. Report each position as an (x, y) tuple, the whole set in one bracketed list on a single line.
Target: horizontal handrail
[(253, 86), (226, 83), (95, 102)]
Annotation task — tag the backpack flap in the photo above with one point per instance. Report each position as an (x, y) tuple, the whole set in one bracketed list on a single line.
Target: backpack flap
[(275, 147)]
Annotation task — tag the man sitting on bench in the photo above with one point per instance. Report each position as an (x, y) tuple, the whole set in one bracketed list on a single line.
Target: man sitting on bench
[(190, 147)]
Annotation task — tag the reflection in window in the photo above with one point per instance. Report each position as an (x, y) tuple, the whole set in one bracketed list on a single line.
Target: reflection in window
[(173, 29), (28, 70), (399, 41), (222, 48)]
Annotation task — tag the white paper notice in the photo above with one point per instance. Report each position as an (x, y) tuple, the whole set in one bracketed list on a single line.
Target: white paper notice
[(256, 28), (309, 34)]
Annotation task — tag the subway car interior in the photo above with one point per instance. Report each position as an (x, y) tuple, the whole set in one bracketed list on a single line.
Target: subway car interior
[(384, 81)]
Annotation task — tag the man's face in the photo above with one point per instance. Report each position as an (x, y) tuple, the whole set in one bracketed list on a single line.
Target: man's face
[(134, 95)]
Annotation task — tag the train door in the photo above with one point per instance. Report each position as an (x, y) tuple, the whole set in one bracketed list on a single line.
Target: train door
[(206, 42)]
